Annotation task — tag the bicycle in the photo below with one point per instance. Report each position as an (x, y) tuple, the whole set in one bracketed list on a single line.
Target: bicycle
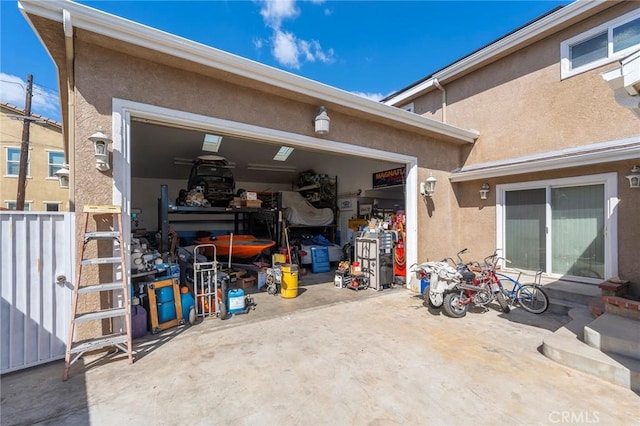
[(529, 296)]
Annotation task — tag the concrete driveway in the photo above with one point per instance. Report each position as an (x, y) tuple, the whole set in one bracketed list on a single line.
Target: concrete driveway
[(381, 360)]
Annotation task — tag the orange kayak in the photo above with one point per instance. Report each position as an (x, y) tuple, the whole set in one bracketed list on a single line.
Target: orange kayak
[(242, 246)]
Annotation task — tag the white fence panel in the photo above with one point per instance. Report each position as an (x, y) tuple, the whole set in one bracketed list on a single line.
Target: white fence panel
[(35, 249)]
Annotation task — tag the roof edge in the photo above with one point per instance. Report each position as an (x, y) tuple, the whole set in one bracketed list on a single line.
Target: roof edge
[(618, 150), (519, 37), (118, 28)]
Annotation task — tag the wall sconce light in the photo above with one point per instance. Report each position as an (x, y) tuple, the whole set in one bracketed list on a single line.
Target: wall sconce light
[(322, 121), (101, 149), (634, 177), (63, 176), (428, 187), (484, 190)]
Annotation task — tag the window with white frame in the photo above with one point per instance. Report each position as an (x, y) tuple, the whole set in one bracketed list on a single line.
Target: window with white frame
[(55, 161), (11, 205), (601, 45), (13, 162), (51, 206)]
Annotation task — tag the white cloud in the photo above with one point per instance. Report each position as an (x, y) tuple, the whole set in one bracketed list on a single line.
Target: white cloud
[(285, 49), (275, 11), (44, 101), (288, 49), (373, 96)]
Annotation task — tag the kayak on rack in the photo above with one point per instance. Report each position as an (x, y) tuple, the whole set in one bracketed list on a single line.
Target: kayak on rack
[(241, 246)]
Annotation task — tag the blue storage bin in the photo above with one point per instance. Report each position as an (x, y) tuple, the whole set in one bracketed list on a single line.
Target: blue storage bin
[(166, 311), (320, 259), (164, 294)]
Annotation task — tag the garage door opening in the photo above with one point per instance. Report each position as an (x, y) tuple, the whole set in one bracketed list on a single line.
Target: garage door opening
[(158, 150)]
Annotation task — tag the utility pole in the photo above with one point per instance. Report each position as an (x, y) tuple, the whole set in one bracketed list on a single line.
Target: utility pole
[(24, 147)]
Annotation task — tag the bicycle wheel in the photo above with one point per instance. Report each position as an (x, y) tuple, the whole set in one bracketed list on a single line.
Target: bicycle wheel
[(532, 299), (502, 301)]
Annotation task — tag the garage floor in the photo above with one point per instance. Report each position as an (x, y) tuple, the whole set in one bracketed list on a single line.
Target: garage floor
[(361, 358)]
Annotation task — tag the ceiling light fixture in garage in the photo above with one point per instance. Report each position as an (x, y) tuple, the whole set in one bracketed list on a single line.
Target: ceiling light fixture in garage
[(270, 168), (211, 143), (322, 121), (283, 153)]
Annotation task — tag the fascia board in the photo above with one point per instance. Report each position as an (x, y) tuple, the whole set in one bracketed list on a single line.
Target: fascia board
[(621, 150), (141, 35), (410, 93), (513, 41), (631, 72)]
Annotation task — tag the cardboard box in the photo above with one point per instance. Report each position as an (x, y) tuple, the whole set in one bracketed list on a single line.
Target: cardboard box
[(249, 195), (252, 203), (246, 282)]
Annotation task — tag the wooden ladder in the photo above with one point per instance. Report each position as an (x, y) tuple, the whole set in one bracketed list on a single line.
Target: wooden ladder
[(75, 349)]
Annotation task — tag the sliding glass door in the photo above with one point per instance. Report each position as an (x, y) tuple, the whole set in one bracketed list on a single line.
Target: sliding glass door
[(577, 231), (560, 226), (525, 229)]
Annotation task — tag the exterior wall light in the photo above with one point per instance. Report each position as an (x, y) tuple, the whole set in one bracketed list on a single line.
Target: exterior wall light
[(101, 149), (428, 187), (63, 176), (634, 177), (484, 190), (322, 121)]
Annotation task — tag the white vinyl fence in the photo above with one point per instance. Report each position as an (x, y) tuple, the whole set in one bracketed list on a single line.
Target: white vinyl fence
[(36, 275)]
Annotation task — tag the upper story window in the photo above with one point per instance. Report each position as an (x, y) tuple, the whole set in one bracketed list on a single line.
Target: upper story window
[(604, 44), (56, 159), (13, 162)]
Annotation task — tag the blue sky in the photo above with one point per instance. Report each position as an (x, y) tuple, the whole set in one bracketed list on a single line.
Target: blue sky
[(372, 48)]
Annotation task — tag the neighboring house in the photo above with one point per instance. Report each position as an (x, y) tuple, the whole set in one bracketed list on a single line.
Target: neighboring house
[(46, 156), (529, 115), (556, 143)]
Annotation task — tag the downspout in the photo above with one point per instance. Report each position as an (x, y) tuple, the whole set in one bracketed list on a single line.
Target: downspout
[(444, 99), (70, 146)]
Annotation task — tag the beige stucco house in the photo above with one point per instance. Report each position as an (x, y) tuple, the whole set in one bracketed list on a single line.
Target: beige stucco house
[(522, 115), (556, 142), (46, 156)]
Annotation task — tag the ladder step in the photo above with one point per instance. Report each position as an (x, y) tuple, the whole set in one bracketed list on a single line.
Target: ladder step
[(94, 288), (102, 234), (98, 342), (101, 260), (99, 315), (103, 209)]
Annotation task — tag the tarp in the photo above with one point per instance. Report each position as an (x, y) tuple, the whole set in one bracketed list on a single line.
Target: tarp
[(299, 211)]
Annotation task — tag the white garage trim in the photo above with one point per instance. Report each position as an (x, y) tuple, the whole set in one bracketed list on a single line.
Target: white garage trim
[(124, 111)]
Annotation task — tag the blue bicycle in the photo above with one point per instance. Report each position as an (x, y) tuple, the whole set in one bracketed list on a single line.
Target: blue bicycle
[(530, 296)]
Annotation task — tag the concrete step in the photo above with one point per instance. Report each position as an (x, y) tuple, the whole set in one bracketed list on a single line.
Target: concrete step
[(614, 334), (562, 306), (565, 347), (577, 293)]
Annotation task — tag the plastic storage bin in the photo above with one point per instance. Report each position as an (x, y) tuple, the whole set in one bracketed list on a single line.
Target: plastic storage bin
[(320, 260)]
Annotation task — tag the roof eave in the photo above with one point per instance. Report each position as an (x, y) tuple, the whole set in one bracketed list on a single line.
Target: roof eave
[(620, 150), (141, 35)]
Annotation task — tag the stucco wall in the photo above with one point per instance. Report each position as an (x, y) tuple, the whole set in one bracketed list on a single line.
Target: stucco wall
[(521, 106), (102, 74)]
